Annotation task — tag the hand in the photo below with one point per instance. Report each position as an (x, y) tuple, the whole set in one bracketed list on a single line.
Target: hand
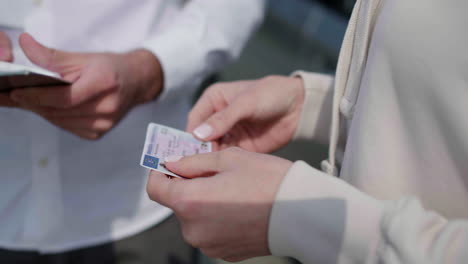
[(259, 116), (227, 214), (6, 54), (105, 86)]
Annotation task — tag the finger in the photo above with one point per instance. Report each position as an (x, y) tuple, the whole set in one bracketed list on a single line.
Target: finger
[(107, 103), (6, 52), (6, 101), (84, 134), (83, 123), (42, 56), (62, 97), (227, 141), (215, 146), (80, 132), (104, 105), (220, 123), (203, 109), (92, 84), (52, 96), (215, 99), (160, 188), (196, 166)]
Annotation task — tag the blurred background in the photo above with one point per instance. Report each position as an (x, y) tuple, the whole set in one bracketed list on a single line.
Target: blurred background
[(296, 34)]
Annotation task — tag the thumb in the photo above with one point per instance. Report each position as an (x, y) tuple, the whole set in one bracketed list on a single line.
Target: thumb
[(6, 52), (220, 123), (47, 58), (196, 166)]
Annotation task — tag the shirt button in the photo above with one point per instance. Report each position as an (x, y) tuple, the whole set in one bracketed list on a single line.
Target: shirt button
[(43, 163)]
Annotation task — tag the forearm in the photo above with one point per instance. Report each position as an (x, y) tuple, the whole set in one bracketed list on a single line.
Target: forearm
[(320, 219)]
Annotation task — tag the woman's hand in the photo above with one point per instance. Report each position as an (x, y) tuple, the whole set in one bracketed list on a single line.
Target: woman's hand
[(259, 116), (226, 215)]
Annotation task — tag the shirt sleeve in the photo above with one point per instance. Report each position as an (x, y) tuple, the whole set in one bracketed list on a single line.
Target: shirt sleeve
[(315, 121), (205, 36), (318, 218)]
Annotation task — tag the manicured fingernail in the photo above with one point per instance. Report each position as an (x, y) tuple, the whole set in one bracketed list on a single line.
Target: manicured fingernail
[(203, 131), (173, 158)]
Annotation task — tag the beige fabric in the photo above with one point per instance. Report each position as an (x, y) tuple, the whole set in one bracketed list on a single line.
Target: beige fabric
[(400, 94), (401, 101), (319, 218), (316, 112)]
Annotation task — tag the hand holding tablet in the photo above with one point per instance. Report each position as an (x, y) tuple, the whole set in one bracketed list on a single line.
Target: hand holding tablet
[(14, 76)]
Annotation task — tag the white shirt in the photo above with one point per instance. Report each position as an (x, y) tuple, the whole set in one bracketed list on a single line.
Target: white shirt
[(59, 192)]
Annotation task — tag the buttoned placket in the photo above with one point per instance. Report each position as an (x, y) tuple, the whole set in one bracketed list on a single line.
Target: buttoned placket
[(45, 212)]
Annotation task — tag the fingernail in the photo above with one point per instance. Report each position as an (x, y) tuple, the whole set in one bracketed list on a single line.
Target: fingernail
[(173, 158), (203, 131)]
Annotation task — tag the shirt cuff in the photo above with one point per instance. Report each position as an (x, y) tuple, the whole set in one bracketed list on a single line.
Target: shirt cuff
[(179, 53), (316, 113), (317, 218)]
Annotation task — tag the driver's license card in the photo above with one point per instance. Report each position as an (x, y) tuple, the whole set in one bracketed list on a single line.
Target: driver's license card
[(162, 142)]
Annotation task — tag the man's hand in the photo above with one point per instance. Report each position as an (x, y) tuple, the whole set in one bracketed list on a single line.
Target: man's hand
[(259, 116), (6, 54), (226, 212), (105, 86)]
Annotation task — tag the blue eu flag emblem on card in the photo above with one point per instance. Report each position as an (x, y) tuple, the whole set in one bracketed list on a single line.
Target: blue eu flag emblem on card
[(151, 162)]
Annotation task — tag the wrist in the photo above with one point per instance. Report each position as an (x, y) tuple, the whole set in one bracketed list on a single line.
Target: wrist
[(147, 72)]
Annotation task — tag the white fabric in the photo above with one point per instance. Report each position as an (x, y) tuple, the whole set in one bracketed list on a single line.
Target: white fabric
[(59, 192), (401, 93), (403, 110), (317, 218), (408, 132)]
